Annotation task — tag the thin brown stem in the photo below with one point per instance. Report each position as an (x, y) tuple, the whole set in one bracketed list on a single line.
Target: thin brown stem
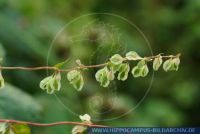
[(29, 68), (49, 124)]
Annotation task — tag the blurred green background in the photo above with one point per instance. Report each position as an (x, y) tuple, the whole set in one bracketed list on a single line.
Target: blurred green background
[(27, 29)]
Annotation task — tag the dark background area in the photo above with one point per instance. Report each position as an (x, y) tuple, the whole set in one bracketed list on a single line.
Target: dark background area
[(28, 27)]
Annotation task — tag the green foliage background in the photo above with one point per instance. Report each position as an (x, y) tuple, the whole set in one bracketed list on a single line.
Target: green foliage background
[(172, 26)]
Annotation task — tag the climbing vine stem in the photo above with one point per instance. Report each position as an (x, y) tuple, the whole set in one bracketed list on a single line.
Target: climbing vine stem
[(49, 124), (116, 65), (73, 68)]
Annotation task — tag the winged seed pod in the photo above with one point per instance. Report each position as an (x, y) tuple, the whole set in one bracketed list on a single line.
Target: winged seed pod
[(51, 83), (157, 62), (44, 82), (76, 79), (132, 55), (171, 64), (55, 82), (116, 59), (176, 62), (123, 72), (85, 117), (141, 70), (80, 129), (144, 71), (103, 77), (114, 67), (111, 75)]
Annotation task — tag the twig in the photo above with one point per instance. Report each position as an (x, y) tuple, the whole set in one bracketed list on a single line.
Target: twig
[(73, 68), (49, 124)]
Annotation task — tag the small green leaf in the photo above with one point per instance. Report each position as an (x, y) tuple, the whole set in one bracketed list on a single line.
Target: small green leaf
[(132, 55), (76, 79), (61, 63), (2, 83), (168, 65), (20, 129), (157, 62), (116, 59)]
